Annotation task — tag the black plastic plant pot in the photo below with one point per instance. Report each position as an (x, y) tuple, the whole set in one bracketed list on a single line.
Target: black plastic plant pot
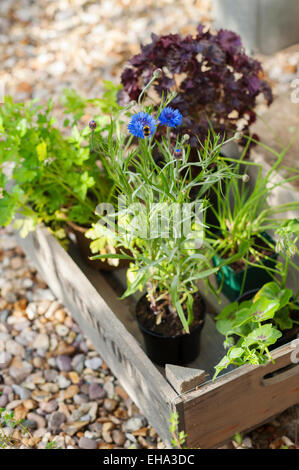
[(178, 350), (287, 335), (255, 277)]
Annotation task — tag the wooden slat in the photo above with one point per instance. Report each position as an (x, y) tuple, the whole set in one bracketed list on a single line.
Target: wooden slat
[(239, 401), (144, 383), (184, 379)]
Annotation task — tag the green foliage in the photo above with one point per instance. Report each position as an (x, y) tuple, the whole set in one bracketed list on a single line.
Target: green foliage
[(178, 437), (257, 323), (7, 420), (46, 176), (167, 263), (243, 216)]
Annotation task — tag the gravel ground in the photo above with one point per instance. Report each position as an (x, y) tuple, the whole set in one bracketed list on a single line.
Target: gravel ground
[(50, 374)]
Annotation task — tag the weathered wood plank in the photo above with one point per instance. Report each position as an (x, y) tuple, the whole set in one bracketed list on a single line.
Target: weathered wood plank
[(239, 400), (184, 379), (115, 344)]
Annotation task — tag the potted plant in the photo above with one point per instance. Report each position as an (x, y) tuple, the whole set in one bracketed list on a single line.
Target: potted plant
[(215, 82), (262, 319), (156, 221), (52, 178), (256, 323), (241, 233)]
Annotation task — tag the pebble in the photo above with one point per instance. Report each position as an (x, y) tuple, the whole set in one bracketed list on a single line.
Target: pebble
[(118, 437), (21, 391), (56, 420), (74, 427), (96, 391), (94, 363), (30, 424), (78, 363), (5, 359), (80, 398), (85, 443), (64, 363), (19, 373), (31, 310), (41, 422), (62, 381), (49, 407), (51, 375), (61, 330), (110, 404), (14, 348), (3, 400), (41, 342), (135, 423), (30, 404), (70, 392)]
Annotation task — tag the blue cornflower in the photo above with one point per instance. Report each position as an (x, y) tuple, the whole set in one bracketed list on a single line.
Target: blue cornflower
[(170, 117), (142, 125)]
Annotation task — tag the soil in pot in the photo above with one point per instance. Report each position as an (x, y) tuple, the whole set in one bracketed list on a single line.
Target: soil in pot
[(287, 335), (232, 275), (166, 343)]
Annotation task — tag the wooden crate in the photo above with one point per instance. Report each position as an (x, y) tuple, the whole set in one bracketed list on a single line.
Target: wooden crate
[(210, 412)]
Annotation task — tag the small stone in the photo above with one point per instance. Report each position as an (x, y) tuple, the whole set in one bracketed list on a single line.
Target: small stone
[(135, 423), (41, 422), (13, 404), (107, 437), (62, 381), (108, 426), (49, 407), (74, 377), (20, 412), (61, 330), (16, 262), (21, 391), (5, 359), (14, 348), (110, 404), (118, 437), (96, 391), (50, 375), (39, 362), (64, 363), (121, 392), (85, 443), (41, 395), (30, 404), (64, 349), (94, 363), (74, 427), (31, 310), (70, 392), (19, 373), (30, 424), (3, 401), (60, 315), (56, 420), (49, 387), (39, 432), (109, 388), (80, 398), (41, 342), (121, 413), (78, 363)]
